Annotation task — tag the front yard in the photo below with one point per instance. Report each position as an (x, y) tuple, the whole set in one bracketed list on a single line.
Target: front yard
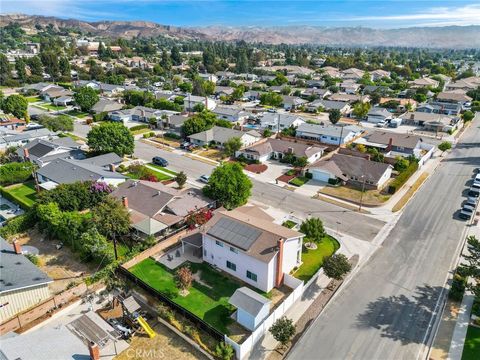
[(50, 106), (23, 194), (207, 300), (213, 154), (164, 169), (312, 260), (471, 349), (138, 172), (370, 197)]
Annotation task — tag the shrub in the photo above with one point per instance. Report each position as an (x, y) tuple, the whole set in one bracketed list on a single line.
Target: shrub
[(334, 181), (458, 287), (298, 181), (172, 136), (15, 172), (139, 127), (398, 182), (33, 258), (99, 117), (309, 175), (224, 351), (17, 225)]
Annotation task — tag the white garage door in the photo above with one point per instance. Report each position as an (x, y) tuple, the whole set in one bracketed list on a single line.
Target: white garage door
[(320, 175)]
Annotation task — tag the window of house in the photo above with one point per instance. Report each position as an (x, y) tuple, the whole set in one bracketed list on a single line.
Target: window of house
[(219, 243), (232, 249), (231, 266), (251, 276), (204, 252)]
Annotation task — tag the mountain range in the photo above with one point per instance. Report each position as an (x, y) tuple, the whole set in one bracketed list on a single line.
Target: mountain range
[(457, 37)]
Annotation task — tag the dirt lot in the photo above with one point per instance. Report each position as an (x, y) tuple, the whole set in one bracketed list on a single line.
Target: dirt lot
[(370, 197), (213, 154), (166, 345), (63, 266)]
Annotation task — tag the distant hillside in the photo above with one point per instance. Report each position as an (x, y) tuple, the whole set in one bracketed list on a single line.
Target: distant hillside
[(429, 37)]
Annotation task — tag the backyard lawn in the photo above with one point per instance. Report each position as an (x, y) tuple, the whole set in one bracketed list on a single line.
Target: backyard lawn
[(313, 259), (23, 193), (471, 349), (208, 301)]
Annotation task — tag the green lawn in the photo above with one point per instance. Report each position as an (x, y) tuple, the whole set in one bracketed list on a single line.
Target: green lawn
[(299, 181), (160, 176), (163, 169), (78, 114), (23, 193), (209, 303), (32, 99), (289, 224), (51, 106), (313, 259), (74, 137), (471, 349)]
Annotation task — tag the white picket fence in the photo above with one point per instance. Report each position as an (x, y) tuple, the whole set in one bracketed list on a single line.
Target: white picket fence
[(246, 346)]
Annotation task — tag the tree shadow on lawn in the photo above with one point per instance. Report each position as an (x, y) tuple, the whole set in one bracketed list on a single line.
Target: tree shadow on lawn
[(219, 318), (402, 318)]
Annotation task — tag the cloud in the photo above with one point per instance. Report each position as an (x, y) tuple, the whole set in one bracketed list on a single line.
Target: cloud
[(437, 16), (59, 8)]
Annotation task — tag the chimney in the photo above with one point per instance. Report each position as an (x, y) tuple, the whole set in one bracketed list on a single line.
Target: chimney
[(94, 351), (26, 153), (17, 247), (279, 278), (112, 167), (389, 147), (125, 201)]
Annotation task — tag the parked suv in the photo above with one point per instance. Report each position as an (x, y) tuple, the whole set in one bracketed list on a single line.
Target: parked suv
[(157, 160)]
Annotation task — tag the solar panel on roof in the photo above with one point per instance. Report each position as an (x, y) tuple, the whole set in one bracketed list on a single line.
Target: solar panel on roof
[(235, 233)]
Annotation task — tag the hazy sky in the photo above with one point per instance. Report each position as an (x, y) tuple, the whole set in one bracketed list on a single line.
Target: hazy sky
[(372, 13)]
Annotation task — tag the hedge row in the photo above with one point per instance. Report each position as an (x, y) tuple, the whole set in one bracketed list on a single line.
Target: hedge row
[(139, 127), (9, 196), (402, 178)]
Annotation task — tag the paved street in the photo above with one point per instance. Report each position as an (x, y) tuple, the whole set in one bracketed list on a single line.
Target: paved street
[(384, 312), (334, 217)]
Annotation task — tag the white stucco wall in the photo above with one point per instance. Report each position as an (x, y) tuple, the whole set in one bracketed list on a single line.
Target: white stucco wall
[(218, 256), (290, 253)]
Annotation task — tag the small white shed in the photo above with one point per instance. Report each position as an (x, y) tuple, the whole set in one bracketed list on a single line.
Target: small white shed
[(252, 308)]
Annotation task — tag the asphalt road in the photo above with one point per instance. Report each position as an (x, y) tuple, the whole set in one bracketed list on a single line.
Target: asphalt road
[(335, 217), (384, 312)]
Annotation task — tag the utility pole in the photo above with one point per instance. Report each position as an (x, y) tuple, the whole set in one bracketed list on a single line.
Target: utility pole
[(361, 195), (341, 136)]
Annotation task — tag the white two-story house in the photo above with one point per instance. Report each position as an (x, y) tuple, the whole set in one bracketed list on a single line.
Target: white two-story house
[(246, 244)]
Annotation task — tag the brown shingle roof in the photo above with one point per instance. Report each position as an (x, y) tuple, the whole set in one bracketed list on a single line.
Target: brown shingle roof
[(357, 167), (404, 140), (264, 247)]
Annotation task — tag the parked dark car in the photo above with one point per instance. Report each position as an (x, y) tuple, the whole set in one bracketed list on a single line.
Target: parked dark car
[(157, 160)]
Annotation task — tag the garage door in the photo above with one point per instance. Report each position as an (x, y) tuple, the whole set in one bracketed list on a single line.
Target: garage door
[(320, 175)]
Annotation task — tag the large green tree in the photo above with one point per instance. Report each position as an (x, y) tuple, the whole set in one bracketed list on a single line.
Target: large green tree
[(313, 229), (282, 330), (86, 97), (111, 217), (17, 105), (57, 123), (229, 185), (232, 145), (336, 266), (111, 137)]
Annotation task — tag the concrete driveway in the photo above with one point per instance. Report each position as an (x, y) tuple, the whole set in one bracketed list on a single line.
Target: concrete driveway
[(274, 170)]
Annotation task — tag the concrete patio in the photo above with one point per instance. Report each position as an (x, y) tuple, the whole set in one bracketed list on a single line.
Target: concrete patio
[(176, 257)]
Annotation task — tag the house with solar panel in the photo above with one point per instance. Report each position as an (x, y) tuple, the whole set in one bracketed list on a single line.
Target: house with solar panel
[(247, 244)]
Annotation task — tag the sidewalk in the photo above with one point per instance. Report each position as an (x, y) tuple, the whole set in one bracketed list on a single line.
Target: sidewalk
[(460, 332)]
